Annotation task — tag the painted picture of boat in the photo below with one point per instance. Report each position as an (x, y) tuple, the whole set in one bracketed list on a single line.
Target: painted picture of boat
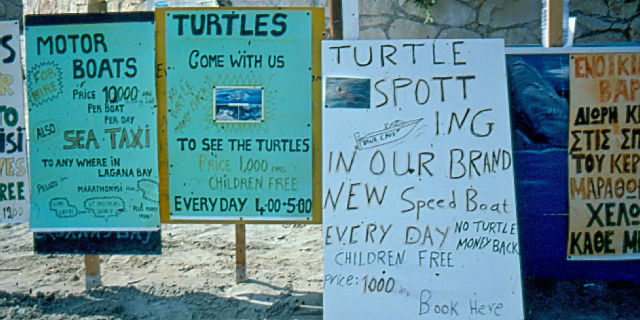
[(392, 132)]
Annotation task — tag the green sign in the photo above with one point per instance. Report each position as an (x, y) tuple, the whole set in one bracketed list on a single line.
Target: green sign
[(240, 118), (93, 136)]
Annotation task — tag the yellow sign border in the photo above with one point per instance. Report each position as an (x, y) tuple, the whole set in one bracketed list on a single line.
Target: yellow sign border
[(317, 29)]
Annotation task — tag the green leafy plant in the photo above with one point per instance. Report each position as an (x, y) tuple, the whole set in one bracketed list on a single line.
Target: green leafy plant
[(426, 5)]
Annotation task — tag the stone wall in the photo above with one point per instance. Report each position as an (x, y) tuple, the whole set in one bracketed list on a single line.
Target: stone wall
[(10, 9), (54, 6), (517, 21), (606, 20)]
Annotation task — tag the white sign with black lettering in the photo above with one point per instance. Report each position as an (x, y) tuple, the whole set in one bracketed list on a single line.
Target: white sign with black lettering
[(14, 175), (419, 201)]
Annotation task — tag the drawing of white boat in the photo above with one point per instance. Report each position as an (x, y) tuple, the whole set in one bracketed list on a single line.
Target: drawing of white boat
[(393, 131)]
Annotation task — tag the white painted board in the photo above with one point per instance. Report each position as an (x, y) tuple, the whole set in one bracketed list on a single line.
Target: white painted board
[(14, 175), (419, 217)]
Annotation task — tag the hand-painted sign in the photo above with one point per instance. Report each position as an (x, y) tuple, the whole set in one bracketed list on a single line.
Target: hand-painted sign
[(604, 156), (239, 95), (14, 176), (419, 203), (93, 120)]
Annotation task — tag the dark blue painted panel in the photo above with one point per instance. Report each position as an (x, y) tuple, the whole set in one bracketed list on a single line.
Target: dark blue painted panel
[(103, 242), (539, 93)]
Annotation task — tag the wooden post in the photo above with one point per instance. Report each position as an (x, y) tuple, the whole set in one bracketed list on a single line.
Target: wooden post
[(92, 277), (553, 37), (92, 271), (335, 16), (241, 258)]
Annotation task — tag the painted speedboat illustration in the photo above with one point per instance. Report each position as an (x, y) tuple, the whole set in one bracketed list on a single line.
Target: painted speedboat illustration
[(392, 132)]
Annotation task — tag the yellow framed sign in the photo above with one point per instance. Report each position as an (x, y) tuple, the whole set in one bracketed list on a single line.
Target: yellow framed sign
[(239, 114)]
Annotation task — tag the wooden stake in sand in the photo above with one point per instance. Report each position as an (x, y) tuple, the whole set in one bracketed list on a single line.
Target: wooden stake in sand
[(91, 261), (241, 258), (92, 271), (553, 37)]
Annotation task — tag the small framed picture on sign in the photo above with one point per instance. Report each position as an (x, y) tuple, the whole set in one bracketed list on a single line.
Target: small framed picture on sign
[(238, 104)]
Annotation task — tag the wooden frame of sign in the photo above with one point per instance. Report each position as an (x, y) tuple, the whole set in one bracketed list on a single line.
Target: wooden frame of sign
[(164, 69)]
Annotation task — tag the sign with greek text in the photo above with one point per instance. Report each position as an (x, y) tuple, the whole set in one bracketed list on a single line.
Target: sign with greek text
[(604, 156), (419, 203), (14, 176), (93, 133), (239, 94)]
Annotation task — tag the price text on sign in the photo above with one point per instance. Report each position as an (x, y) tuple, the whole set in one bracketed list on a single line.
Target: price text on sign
[(419, 205), (93, 121), (242, 114)]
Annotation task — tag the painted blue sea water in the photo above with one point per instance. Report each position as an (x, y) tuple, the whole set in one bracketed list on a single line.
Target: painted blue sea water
[(226, 95), (541, 181), (539, 98), (554, 68), (351, 93), (539, 93), (225, 113), (243, 104), (251, 112)]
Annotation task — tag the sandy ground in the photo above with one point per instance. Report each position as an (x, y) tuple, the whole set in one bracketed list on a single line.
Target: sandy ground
[(194, 279)]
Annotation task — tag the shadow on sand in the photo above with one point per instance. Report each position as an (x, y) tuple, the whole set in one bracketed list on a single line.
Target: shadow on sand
[(166, 302)]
